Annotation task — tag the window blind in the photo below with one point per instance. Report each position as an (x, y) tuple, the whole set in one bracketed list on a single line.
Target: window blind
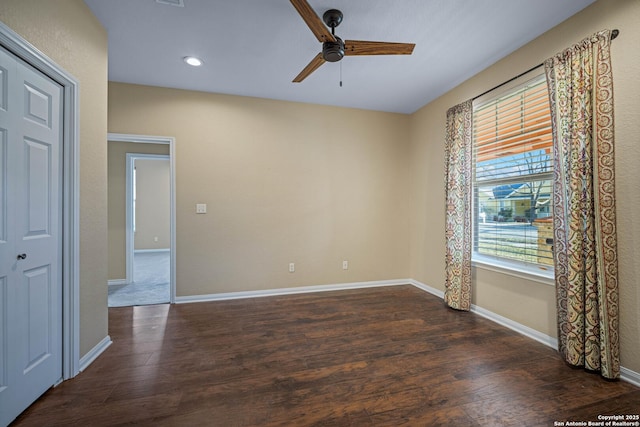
[(513, 173)]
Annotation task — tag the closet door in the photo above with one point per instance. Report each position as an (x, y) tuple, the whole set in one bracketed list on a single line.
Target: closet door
[(30, 235)]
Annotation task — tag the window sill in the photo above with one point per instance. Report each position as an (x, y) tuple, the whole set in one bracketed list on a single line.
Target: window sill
[(524, 271)]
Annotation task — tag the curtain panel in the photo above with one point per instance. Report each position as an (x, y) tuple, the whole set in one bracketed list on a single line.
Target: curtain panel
[(585, 243), (458, 147)]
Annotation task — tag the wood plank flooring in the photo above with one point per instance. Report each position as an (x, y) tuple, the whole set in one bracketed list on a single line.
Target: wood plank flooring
[(386, 356)]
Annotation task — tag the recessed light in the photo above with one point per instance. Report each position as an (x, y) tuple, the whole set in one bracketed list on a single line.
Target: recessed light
[(177, 3), (192, 60)]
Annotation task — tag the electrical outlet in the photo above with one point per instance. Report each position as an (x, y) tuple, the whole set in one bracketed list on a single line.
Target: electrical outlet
[(155, 238), (201, 208), (292, 267), (345, 265)]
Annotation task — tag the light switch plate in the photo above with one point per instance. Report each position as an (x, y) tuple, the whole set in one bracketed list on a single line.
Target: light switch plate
[(201, 208)]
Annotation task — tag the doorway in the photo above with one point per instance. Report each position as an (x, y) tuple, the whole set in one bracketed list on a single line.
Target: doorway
[(148, 228), (141, 220)]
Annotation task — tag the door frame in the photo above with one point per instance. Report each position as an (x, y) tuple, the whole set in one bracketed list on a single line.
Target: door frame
[(70, 170), (149, 139)]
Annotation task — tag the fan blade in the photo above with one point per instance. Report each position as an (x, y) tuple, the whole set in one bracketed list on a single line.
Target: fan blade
[(316, 62), (313, 21), (361, 47)]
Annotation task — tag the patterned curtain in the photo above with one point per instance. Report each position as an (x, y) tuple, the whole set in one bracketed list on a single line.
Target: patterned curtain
[(458, 207), (585, 243)]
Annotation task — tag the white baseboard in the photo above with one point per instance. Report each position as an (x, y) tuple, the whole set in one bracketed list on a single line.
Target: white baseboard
[(290, 291), (625, 374), (427, 288), (630, 376), (515, 326), (147, 251), (96, 351), (117, 282), (501, 320)]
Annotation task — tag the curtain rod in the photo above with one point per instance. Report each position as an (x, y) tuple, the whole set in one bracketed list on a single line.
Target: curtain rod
[(614, 34)]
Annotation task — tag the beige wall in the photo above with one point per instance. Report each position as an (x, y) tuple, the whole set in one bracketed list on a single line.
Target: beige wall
[(152, 204), (527, 302), (117, 152), (68, 33), (284, 182)]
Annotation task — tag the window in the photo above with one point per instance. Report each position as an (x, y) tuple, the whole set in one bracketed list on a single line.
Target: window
[(513, 175)]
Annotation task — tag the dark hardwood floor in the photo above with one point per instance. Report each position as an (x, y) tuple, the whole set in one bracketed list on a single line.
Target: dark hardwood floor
[(373, 357)]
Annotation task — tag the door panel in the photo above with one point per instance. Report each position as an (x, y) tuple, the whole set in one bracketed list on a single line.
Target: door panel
[(37, 285), (37, 188), (30, 249), (4, 89), (3, 192), (3, 335), (37, 105)]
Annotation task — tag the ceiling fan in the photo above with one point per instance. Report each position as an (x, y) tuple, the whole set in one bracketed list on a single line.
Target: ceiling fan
[(333, 48)]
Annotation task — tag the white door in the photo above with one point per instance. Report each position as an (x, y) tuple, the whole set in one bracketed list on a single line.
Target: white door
[(30, 235)]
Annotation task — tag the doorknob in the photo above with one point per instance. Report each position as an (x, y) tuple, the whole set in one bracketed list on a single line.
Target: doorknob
[(22, 256)]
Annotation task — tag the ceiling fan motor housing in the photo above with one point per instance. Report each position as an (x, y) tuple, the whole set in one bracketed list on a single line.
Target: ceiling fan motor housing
[(332, 17), (333, 51)]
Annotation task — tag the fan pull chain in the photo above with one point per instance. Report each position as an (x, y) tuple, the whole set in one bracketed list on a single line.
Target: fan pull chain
[(340, 73)]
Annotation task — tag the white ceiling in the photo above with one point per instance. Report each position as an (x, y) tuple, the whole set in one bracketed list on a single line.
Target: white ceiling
[(256, 47)]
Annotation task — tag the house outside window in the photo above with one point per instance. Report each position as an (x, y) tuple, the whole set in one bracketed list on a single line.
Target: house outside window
[(513, 175)]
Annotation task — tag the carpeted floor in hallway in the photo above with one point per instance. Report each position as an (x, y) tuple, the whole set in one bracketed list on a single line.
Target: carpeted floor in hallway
[(150, 282)]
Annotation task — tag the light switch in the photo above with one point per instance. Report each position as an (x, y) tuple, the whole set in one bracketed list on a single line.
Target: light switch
[(201, 208)]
